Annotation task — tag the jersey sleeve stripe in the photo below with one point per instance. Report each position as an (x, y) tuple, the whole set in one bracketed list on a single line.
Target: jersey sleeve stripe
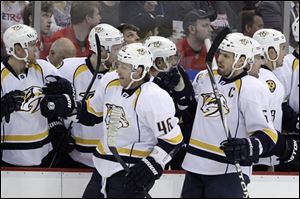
[(273, 135), (4, 73), (16, 138), (206, 146), (92, 111), (36, 67), (82, 141), (130, 152), (176, 140), (295, 64), (100, 148), (79, 70), (115, 82)]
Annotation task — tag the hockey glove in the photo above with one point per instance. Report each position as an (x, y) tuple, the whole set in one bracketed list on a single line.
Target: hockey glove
[(168, 80), (57, 106), (57, 85), (143, 175), (243, 150), (11, 102), (291, 153)]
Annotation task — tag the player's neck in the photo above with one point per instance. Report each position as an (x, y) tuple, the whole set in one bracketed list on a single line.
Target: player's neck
[(18, 66), (81, 32)]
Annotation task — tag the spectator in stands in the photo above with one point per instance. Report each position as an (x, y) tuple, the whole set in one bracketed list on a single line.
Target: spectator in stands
[(46, 14), (251, 22), (129, 9), (146, 23), (61, 12), (130, 33), (11, 13), (197, 27), (272, 15), (110, 12), (62, 48), (84, 16)]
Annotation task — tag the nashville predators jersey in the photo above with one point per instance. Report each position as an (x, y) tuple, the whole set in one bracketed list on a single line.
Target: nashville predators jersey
[(276, 96), (79, 71), (246, 111), (288, 75), (147, 124), (24, 139)]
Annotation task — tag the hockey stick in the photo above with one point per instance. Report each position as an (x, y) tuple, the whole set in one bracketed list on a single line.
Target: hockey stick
[(98, 45), (209, 58), (111, 135)]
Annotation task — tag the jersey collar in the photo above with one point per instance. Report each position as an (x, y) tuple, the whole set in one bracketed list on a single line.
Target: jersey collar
[(265, 67), (224, 81), (10, 69), (296, 54)]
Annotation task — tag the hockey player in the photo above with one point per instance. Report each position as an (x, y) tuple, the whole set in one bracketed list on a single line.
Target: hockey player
[(288, 74), (144, 132), (211, 153), (24, 133), (170, 76), (273, 44), (79, 71)]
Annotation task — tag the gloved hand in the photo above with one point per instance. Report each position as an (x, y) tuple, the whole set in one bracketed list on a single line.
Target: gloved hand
[(11, 102), (243, 150), (291, 153), (61, 139), (57, 85), (57, 105), (168, 80), (143, 175)]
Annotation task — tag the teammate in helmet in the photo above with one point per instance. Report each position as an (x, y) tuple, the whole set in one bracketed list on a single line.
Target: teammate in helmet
[(211, 154), (288, 75), (170, 76), (145, 132), (25, 132)]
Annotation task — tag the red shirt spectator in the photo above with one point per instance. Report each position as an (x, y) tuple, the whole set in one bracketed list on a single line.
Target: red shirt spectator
[(82, 50)]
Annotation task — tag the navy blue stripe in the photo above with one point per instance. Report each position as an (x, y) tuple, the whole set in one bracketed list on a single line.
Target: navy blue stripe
[(167, 147), (25, 146), (212, 156), (85, 149)]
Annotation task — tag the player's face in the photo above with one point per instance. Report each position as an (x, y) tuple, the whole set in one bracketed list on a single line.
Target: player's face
[(124, 71), (225, 61), (282, 54), (95, 19), (256, 66), (131, 36)]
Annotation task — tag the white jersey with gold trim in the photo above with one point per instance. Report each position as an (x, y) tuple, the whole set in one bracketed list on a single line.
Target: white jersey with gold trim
[(147, 126), (276, 96), (288, 75), (244, 104), (78, 71), (26, 135)]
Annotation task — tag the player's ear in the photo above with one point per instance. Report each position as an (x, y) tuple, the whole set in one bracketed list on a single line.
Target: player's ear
[(241, 61)]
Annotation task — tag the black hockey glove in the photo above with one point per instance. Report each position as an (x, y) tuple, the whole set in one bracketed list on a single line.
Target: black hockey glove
[(143, 175), (243, 150), (168, 80), (57, 85), (291, 153), (11, 102), (60, 137), (57, 106)]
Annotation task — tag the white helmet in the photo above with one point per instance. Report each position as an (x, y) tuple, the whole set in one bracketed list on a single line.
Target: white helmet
[(269, 38), (19, 34), (239, 45), (137, 55), (161, 47), (295, 29), (257, 50), (108, 36)]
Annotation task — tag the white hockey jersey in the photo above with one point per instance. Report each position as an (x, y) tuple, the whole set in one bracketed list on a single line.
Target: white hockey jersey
[(276, 96), (79, 72), (288, 75), (26, 135), (244, 104), (147, 126)]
